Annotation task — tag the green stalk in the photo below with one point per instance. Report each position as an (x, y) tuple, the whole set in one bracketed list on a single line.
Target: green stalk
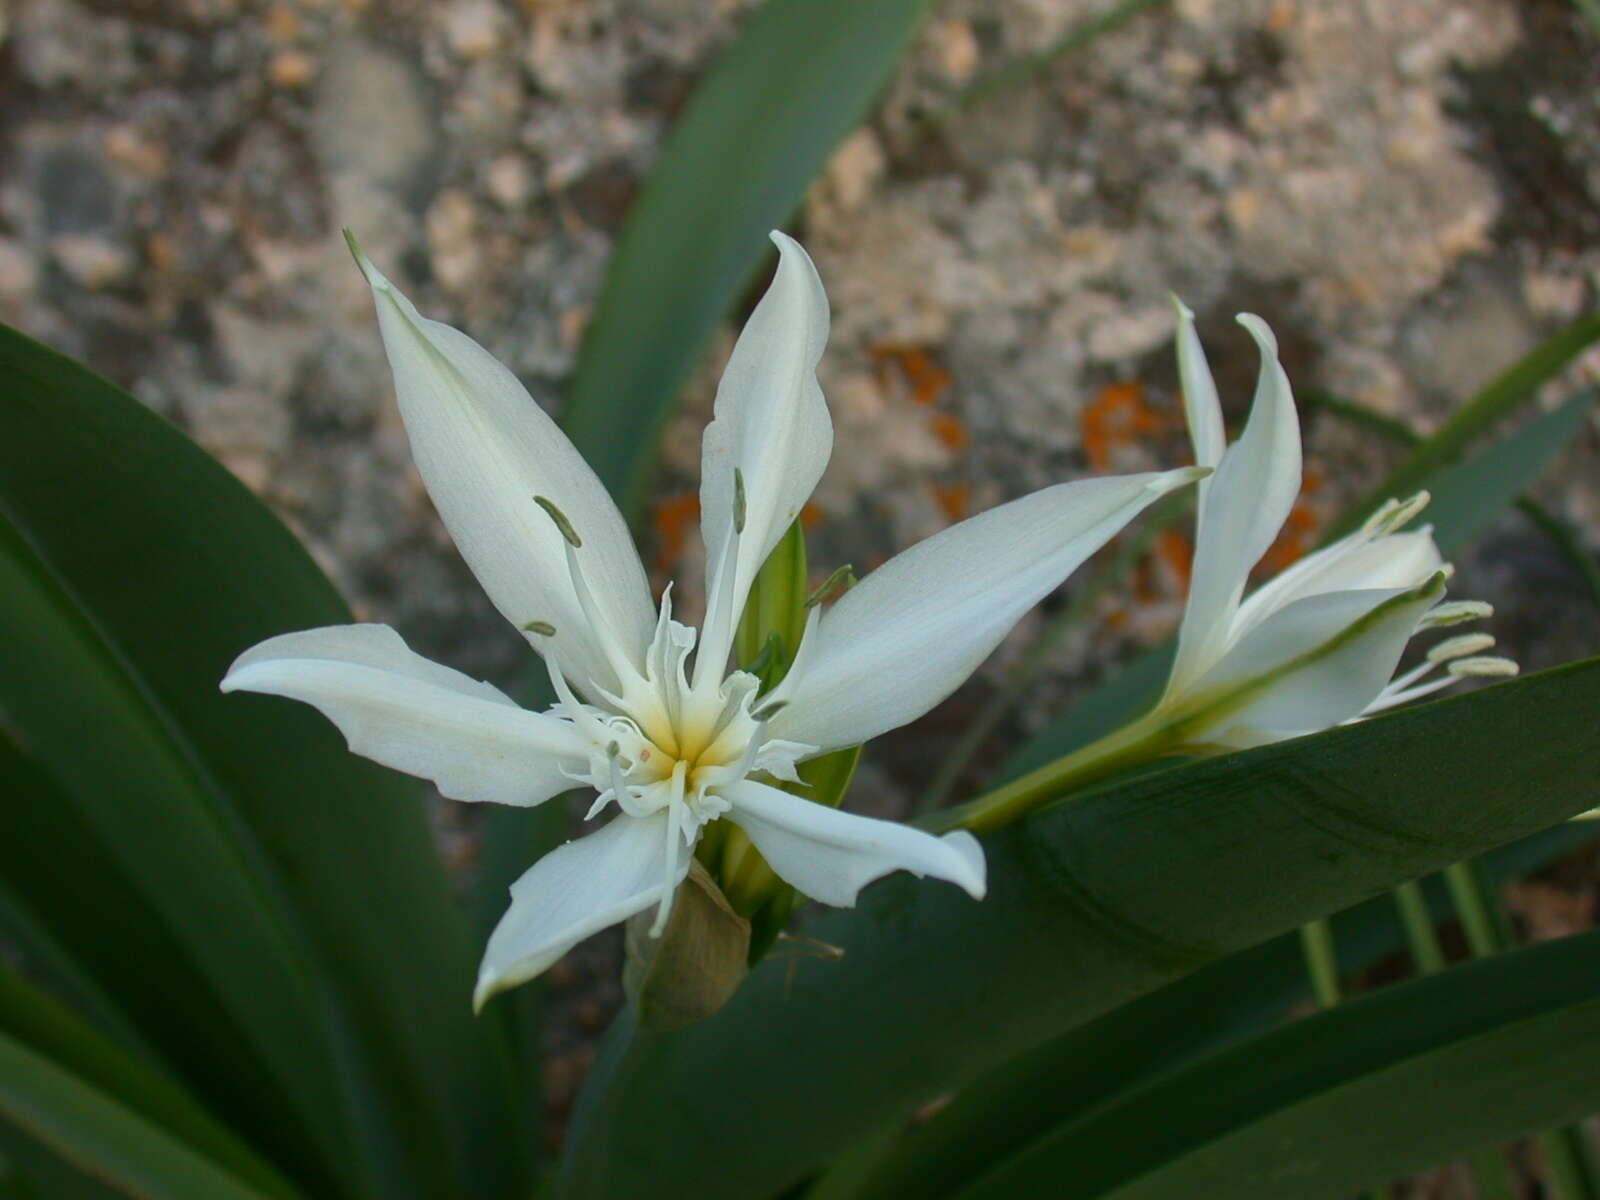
[(1322, 962), (1423, 939), (1130, 551)]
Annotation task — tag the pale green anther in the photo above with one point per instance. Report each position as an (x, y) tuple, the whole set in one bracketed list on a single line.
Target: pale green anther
[(770, 711), (841, 580), (560, 518), (614, 749), (1460, 647), (1393, 514), (1485, 667), (542, 628), (738, 500), (355, 248), (1456, 612)]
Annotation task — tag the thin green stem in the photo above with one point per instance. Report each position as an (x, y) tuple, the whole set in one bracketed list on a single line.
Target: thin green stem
[(1322, 961), (1483, 928), (1006, 696), (1141, 741), (1421, 936)]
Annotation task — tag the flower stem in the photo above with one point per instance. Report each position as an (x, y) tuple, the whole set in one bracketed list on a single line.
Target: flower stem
[(1426, 952), (1322, 961), (1139, 742)]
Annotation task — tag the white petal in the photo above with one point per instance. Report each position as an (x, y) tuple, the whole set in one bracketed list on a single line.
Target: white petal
[(1333, 653), (831, 855), (772, 426), (1201, 409), (485, 450), (1247, 502), (906, 636), (1401, 560), (576, 890), (397, 708)]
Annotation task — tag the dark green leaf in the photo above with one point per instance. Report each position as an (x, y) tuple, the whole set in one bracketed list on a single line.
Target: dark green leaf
[(41, 1026), (105, 1138), (1393, 1082), (1153, 1036), (1093, 903), (799, 77), (306, 972)]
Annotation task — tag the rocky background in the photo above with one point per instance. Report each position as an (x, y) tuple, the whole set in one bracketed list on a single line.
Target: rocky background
[(1408, 192)]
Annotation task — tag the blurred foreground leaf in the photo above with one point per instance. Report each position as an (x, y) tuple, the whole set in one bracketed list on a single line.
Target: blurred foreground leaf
[(798, 78), (267, 909), (1094, 902)]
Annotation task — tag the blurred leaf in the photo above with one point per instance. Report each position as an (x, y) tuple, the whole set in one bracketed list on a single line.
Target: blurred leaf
[(1392, 1082), (1502, 396), (735, 166), (41, 1026), (1093, 903), (1467, 498), (268, 908), (106, 1138)]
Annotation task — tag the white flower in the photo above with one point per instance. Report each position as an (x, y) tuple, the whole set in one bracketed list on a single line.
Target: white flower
[(672, 744), (1315, 646)]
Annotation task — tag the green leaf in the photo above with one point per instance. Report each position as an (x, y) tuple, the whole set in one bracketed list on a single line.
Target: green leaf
[(735, 166), (1128, 1047), (1093, 903), (1390, 1083), (41, 1026), (107, 1139), (1502, 396), (269, 908), (1468, 497)]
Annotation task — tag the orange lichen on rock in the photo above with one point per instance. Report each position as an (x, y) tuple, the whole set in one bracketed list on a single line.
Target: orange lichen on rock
[(927, 378), (953, 499), (1118, 417), (950, 431), (672, 519), (1176, 553), (1298, 534)]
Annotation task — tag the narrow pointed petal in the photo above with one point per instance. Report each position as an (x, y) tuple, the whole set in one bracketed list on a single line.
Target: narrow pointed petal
[(1201, 409), (1401, 560), (772, 428), (485, 450), (576, 890), (831, 855), (397, 708), (907, 636), (1320, 660), (1245, 505)]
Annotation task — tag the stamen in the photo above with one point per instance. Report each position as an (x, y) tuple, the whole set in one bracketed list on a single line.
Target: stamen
[(560, 518), (840, 581), (1485, 667), (1460, 647), (625, 670), (1393, 514), (738, 500), (763, 715), (542, 628), (1456, 612)]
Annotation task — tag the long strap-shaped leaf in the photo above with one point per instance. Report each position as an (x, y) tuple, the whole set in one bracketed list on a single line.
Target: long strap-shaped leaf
[(799, 77), (1093, 902), (296, 882), (1134, 1044), (1390, 1083), (43, 1028), (105, 1138)]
